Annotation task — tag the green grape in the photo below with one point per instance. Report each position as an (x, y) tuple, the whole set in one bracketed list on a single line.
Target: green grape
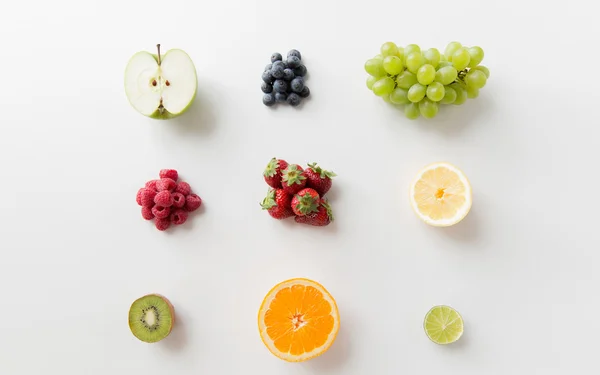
[(476, 54), (389, 49), (483, 69), (472, 92), (383, 86), (443, 57), (411, 111), (476, 79), (449, 96), (461, 58), (406, 80), (393, 65), (443, 64), (375, 67), (416, 92), (426, 74), (386, 98), (446, 75), (400, 53), (414, 61), (399, 96), (411, 48), (378, 57), (436, 91), (428, 108), (370, 81), (450, 49), (432, 57), (461, 94)]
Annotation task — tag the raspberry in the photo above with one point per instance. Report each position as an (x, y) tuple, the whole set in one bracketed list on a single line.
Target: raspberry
[(183, 188), (147, 213), (162, 224), (138, 197), (151, 185), (163, 199), (147, 197), (192, 202), (169, 173), (179, 216), (178, 200), (166, 184), (161, 212)]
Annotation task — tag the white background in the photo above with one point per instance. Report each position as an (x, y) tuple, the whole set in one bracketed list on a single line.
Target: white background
[(521, 268)]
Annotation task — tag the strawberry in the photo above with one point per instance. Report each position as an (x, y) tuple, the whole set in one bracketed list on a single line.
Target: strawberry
[(305, 202), (278, 203), (293, 179), (318, 179), (321, 218), (272, 173)]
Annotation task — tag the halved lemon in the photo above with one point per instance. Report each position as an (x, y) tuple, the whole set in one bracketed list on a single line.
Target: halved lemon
[(298, 320), (441, 195), (443, 325)]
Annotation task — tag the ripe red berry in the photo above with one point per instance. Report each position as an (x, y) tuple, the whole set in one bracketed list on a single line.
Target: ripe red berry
[(147, 197), (192, 202), (318, 178), (166, 184), (162, 224), (138, 197), (147, 213), (321, 218), (164, 199), (169, 173), (278, 203), (161, 212), (179, 216), (151, 185), (305, 202), (272, 172), (183, 188), (178, 200), (293, 179)]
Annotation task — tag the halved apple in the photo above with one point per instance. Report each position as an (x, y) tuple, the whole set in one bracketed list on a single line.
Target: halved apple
[(161, 87)]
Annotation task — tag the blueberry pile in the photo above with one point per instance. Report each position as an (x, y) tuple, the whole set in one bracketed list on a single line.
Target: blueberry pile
[(283, 81)]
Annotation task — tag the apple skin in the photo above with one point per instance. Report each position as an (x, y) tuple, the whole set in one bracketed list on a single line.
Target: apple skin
[(166, 115)]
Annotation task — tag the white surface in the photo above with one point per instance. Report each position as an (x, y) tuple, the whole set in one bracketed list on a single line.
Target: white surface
[(521, 268)]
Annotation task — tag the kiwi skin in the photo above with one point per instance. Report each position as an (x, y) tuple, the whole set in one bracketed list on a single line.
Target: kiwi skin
[(171, 310)]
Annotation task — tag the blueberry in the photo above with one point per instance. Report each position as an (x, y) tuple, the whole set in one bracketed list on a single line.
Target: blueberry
[(267, 77), (268, 100), (266, 87), (277, 71), (297, 84), (277, 64), (285, 65), (280, 86), (280, 97), (276, 57), (288, 74), (300, 71), (305, 92), (294, 52), (268, 67), (293, 99), (293, 62)]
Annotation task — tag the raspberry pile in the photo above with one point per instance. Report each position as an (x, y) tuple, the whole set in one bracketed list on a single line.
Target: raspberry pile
[(283, 80), (298, 192), (167, 200)]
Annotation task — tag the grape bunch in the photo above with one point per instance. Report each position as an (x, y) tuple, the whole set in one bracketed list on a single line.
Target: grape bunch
[(283, 80), (421, 80)]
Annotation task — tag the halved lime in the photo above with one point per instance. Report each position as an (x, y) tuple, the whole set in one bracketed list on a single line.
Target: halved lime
[(443, 325)]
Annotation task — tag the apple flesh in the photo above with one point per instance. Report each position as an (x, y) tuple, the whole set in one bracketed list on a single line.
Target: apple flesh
[(161, 87)]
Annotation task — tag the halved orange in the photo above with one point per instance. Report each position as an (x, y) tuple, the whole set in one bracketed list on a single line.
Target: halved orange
[(298, 320)]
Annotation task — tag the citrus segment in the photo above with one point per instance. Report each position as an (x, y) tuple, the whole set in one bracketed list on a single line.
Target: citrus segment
[(441, 195), (443, 325), (298, 320)]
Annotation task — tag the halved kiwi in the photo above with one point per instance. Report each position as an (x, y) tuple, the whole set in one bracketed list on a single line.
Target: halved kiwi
[(151, 318)]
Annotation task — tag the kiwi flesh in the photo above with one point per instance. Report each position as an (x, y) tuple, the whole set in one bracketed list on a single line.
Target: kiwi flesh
[(151, 318)]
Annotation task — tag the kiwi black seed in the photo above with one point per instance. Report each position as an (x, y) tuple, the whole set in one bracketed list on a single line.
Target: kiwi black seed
[(151, 318)]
